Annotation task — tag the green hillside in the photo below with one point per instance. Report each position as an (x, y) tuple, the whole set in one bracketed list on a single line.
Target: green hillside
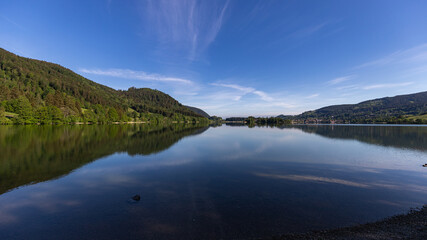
[(154, 101), (410, 108), (33, 91), (199, 111)]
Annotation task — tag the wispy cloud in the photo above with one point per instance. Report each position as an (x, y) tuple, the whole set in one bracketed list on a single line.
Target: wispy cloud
[(359, 183), (348, 87), (340, 80), (10, 21), (279, 103), (137, 75), (387, 85), (226, 101), (415, 54), (245, 90), (219, 96), (313, 96), (189, 24), (316, 179), (305, 32), (235, 86), (374, 86), (264, 96), (415, 71), (109, 2)]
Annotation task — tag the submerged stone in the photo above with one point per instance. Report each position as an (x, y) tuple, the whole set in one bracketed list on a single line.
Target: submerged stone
[(136, 197)]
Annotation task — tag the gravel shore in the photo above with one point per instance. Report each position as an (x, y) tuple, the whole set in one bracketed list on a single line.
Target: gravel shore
[(412, 225)]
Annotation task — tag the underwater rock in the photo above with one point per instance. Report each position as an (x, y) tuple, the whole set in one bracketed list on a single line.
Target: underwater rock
[(136, 197)]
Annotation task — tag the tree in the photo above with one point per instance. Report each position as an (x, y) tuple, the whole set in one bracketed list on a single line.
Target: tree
[(89, 116), (78, 107), (55, 114), (4, 93), (42, 115), (113, 116), (250, 121), (2, 111), (25, 111), (135, 115)]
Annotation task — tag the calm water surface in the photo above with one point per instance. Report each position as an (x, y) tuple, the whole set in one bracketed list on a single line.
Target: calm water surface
[(77, 182)]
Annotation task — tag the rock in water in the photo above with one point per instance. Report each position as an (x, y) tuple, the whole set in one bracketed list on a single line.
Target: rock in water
[(136, 197)]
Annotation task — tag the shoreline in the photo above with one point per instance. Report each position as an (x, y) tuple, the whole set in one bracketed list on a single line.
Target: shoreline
[(91, 123), (412, 225)]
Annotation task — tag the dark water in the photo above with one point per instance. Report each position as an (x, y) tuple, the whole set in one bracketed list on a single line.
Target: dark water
[(77, 182)]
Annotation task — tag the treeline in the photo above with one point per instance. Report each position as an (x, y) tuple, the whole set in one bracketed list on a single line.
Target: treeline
[(260, 121), (392, 120), (403, 119), (33, 91), (21, 111), (276, 121)]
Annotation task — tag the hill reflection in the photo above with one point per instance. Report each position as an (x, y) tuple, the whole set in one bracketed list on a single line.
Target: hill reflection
[(31, 154), (413, 137)]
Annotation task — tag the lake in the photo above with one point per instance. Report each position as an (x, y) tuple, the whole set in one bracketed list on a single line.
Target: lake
[(196, 182)]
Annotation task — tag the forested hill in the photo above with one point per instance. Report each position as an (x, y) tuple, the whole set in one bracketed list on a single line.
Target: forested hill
[(33, 91), (199, 111), (403, 108)]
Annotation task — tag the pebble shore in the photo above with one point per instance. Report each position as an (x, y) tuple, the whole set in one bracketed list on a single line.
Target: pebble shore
[(412, 225)]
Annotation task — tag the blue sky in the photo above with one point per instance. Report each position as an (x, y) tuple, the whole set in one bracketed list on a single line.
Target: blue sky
[(235, 57)]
